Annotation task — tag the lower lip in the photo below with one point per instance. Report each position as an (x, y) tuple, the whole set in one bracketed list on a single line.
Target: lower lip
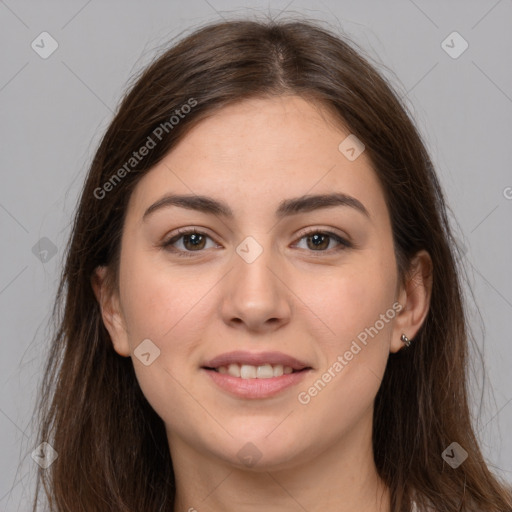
[(255, 388)]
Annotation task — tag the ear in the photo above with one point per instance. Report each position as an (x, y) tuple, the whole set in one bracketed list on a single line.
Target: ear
[(111, 313), (414, 298)]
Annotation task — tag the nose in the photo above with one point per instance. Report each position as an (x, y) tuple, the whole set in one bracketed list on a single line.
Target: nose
[(256, 296)]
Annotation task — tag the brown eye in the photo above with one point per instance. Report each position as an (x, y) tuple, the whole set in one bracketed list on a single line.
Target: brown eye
[(192, 241), (319, 241), (196, 241)]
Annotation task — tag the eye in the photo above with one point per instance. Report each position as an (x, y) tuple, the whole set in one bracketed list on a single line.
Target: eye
[(193, 241), (319, 241)]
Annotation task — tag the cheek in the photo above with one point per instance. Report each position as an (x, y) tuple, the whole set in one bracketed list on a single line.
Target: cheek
[(350, 300), (171, 307), (164, 307), (357, 305), (158, 300), (354, 359)]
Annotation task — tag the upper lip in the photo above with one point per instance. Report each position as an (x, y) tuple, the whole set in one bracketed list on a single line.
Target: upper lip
[(255, 359)]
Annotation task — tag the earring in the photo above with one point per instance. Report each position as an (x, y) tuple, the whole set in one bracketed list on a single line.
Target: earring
[(406, 340)]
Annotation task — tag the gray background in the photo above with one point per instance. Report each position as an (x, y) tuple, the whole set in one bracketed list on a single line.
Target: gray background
[(54, 110)]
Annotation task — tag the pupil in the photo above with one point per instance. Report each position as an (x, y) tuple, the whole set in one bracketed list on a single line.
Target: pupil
[(195, 239), (317, 238)]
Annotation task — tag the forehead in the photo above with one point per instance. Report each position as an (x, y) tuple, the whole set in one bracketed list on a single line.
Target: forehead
[(262, 150), (280, 128)]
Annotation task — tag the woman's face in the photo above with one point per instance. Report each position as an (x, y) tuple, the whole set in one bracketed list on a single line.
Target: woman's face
[(264, 284)]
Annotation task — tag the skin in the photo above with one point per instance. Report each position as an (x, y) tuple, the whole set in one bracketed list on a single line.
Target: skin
[(293, 298)]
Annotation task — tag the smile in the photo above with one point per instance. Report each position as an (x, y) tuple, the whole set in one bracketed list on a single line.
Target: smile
[(247, 371), (248, 385)]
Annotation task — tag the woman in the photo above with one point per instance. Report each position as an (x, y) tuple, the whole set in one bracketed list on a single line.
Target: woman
[(262, 308)]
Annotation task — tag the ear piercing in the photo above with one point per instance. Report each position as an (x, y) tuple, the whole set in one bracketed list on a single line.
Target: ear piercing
[(406, 340)]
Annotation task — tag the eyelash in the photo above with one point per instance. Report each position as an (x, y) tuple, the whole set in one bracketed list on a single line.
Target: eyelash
[(344, 244)]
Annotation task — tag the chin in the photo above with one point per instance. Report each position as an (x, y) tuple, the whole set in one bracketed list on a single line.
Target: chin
[(263, 450)]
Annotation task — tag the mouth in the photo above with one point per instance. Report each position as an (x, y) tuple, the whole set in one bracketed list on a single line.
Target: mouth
[(247, 371), (255, 375)]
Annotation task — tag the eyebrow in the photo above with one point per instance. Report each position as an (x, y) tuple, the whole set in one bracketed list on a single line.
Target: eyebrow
[(286, 207)]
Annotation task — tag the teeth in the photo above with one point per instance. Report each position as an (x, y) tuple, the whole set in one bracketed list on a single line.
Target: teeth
[(247, 371), (234, 370), (264, 372)]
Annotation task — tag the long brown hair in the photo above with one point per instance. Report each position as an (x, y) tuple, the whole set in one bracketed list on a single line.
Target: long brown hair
[(112, 446)]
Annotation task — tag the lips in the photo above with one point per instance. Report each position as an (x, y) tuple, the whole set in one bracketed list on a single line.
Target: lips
[(250, 375), (242, 358)]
